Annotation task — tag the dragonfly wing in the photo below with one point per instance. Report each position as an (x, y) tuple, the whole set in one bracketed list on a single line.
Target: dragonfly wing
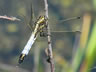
[(31, 21), (68, 26), (25, 21)]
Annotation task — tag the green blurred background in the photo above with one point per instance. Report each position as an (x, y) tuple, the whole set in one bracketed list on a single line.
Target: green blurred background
[(73, 49)]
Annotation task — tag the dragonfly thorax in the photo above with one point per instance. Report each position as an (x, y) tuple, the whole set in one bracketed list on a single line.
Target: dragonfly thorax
[(41, 20)]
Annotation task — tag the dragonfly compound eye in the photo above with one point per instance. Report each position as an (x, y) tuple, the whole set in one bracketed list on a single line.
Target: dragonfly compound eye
[(21, 58)]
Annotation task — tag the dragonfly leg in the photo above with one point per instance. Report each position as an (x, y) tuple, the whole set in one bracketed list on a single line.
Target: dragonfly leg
[(42, 34)]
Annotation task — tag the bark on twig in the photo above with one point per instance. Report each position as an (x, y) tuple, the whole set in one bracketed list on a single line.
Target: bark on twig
[(50, 54), (9, 18)]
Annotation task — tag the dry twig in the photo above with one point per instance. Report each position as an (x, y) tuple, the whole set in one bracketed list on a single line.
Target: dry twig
[(50, 54), (9, 18)]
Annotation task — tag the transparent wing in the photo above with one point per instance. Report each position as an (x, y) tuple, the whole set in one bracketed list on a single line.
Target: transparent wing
[(29, 20), (67, 25), (31, 25)]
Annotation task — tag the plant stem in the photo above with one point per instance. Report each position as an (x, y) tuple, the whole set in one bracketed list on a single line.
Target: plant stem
[(50, 54)]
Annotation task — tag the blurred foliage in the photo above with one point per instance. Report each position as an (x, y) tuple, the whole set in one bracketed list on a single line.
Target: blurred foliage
[(14, 35)]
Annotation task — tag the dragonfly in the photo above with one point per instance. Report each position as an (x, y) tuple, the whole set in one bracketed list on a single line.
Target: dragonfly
[(38, 28)]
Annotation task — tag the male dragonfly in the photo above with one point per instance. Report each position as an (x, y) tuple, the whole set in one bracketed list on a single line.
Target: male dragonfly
[(39, 27)]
